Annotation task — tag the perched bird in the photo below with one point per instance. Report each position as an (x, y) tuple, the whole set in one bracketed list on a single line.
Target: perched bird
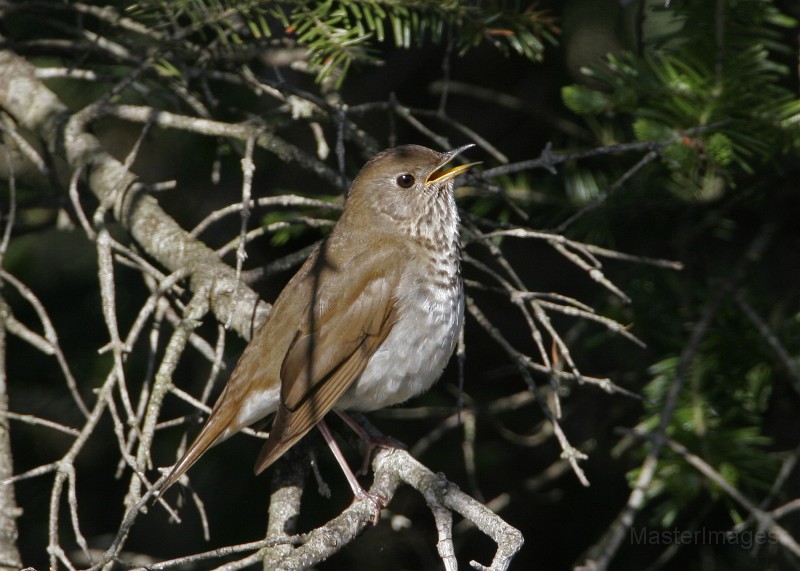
[(370, 319)]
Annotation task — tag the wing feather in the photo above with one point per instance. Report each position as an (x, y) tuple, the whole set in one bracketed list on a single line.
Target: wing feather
[(353, 312)]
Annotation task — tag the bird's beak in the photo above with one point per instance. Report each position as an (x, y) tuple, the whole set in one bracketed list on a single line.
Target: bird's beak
[(439, 176)]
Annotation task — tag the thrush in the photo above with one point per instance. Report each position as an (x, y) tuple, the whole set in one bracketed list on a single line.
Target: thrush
[(370, 319)]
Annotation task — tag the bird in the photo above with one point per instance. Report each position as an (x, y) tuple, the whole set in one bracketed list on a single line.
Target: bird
[(369, 321)]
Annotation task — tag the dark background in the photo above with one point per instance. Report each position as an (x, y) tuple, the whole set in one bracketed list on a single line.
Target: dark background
[(560, 519)]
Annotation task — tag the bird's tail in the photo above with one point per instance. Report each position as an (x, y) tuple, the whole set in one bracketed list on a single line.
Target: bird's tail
[(215, 430)]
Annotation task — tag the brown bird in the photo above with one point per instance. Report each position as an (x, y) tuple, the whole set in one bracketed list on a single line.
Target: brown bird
[(369, 321)]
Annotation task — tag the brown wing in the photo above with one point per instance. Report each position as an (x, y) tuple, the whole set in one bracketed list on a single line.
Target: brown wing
[(352, 313)]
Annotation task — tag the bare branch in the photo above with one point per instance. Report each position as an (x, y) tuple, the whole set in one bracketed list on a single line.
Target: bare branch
[(52, 347), (10, 558), (112, 183), (765, 520)]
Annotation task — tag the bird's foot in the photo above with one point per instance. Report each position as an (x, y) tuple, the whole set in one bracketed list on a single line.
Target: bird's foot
[(376, 501), (359, 493), (371, 441)]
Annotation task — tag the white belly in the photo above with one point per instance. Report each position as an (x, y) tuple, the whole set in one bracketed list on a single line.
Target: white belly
[(407, 363), (414, 354)]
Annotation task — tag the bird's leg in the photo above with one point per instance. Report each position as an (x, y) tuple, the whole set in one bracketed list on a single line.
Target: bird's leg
[(371, 441), (359, 492)]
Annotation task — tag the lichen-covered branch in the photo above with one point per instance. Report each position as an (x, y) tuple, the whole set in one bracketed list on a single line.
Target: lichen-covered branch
[(38, 109)]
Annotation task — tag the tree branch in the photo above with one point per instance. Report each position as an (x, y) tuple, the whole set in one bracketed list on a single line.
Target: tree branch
[(38, 109), (391, 468), (9, 512)]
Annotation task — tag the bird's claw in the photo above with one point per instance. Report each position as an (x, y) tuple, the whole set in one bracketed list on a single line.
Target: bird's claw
[(378, 502), (374, 442)]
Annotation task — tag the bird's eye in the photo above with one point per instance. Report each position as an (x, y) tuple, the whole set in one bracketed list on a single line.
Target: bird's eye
[(405, 180)]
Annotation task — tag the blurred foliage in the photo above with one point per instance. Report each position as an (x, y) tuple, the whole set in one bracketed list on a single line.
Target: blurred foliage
[(714, 90), (709, 87), (339, 33)]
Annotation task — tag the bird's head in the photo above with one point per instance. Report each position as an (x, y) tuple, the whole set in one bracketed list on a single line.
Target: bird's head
[(408, 186)]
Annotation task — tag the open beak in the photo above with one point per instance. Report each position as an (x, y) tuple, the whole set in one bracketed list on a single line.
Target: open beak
[(439, 176)]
